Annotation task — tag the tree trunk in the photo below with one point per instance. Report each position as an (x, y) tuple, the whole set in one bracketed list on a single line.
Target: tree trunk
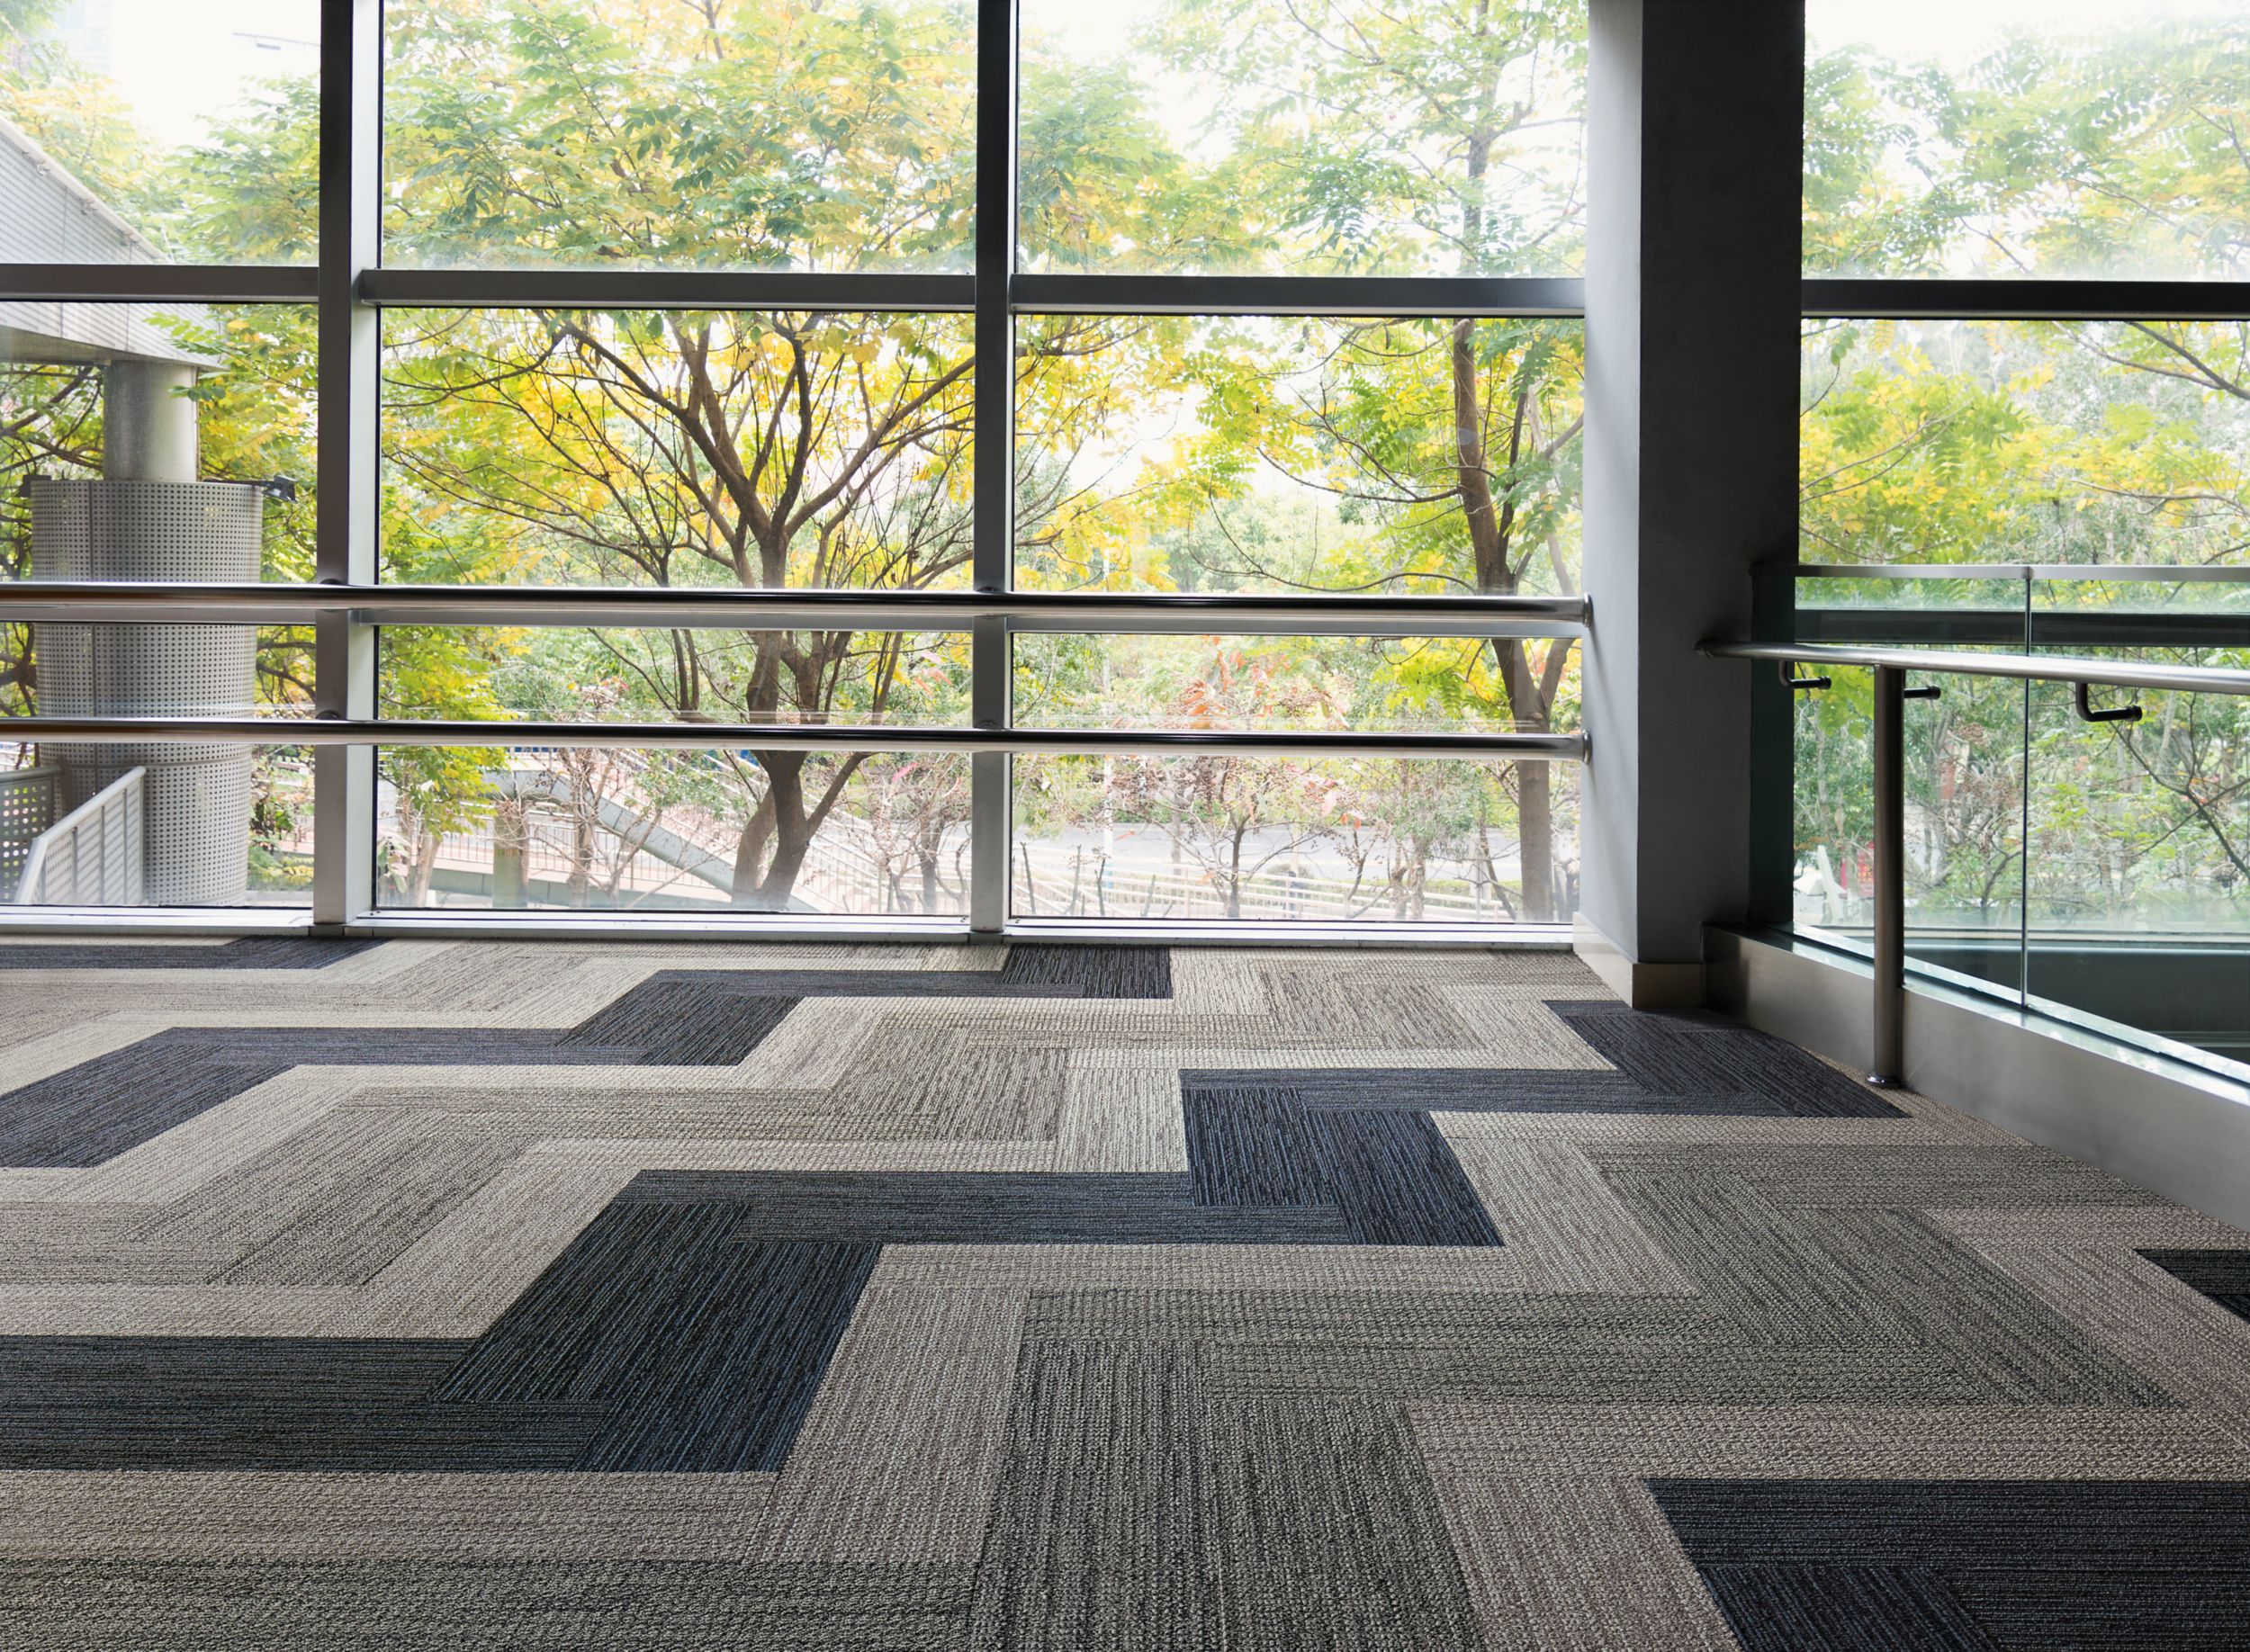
[(792, 833), (581, 856), (1535, 816)]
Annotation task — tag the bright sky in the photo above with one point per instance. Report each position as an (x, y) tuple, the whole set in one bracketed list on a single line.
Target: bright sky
[(180, 64), (1955, 32)]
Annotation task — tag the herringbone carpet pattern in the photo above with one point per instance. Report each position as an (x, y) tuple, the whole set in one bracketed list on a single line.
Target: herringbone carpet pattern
[(448, 1295)]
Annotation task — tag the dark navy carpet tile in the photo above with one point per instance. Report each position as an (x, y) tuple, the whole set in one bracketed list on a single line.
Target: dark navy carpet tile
[(1812, 1566), (679, 1023), (1386, 1170), (1475, 1090), (1251, 1143), (250, 952), (1844, 1609), (179, 1403), (90, 1113), (1397, 1182), (655, 1344), (700, 1352), (980, 1207), (2223, 1276), (1091, 971), (1693, 1053)]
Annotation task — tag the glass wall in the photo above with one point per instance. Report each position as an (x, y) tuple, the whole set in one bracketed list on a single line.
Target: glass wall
[(2040, 481), (673, 312)]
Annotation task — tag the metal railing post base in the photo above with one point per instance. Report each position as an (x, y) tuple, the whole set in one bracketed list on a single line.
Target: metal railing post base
[(1890, 875)]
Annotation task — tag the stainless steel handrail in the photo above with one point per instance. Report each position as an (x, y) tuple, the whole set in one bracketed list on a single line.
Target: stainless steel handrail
[(789, 736), (2124, 573), (1891, 666), (745, 608), (2039, 667)]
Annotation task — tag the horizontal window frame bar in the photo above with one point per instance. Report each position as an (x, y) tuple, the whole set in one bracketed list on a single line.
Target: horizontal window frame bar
[(740, 608), (2154, 573), (158, 284), (854, 291), (785, 737), (1822, 297), (2032, 667), (1082, 293), (843, 929), (1907, 299), (1559, 297), (1071, 293)]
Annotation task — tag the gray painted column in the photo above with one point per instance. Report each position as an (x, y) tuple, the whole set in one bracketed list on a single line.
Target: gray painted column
[(344, 788), (1694, 179)]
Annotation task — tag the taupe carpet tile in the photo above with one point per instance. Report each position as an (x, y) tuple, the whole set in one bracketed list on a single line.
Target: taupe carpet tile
[(455, 1295)]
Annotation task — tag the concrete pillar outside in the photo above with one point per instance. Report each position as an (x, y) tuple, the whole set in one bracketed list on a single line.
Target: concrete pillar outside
[(148, 431), (150, 518)]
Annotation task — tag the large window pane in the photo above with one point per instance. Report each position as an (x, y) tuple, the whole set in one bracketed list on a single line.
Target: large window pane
[(2139, 854), (882, 834), (2088, 442), (1333, 840), (146, 131), (770, 831), (156, 441), (1270, 136), (1964, 821), (169, 824), (2010, 137), (1439, 685), (1263, 453), (558, 674), (676, 449), (649, 134), (163, 443)]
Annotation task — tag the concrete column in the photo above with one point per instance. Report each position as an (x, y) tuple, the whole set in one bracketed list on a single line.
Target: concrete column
[(150, 518), (148, 422), (1695, 179)]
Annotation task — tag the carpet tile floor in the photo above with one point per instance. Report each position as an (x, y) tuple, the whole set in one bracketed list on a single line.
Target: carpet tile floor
[(451, 1295)]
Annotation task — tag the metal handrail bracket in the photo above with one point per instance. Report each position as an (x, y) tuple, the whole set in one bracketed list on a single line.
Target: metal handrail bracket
[(1980, 662)]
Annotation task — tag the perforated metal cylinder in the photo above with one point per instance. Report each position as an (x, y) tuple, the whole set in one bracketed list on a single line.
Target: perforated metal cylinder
[(198, 795)]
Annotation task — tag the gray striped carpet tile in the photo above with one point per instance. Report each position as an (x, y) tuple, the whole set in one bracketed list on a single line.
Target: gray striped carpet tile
[(1136, 1511), (90, 1113), (2060, 1564), (112, 1603)]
